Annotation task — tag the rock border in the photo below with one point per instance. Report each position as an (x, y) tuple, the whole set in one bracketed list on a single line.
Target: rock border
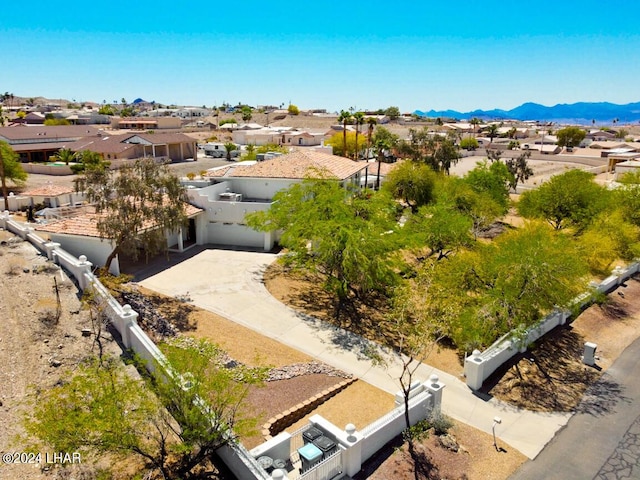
[(287, 418)]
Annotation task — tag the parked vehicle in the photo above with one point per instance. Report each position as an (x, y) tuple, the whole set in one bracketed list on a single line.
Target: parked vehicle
[(217, 150)]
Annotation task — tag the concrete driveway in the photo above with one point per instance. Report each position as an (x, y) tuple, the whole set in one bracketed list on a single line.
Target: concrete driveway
[(229, 283)]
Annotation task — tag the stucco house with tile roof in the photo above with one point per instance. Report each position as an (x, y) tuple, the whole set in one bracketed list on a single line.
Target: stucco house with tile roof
[(246, 187), (170, 146), (78, 234)]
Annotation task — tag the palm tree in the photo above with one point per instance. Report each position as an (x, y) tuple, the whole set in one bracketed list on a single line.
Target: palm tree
[(492, 132), (64, 155), (359, 120), (344, 118), (475, 121), (230, 147), (371, 121)]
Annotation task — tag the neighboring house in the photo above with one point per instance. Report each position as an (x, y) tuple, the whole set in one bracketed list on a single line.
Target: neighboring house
[(146, 123), (600, 136), (303, 138), (542, 148), (626, 165), (192, 112), (34, 118), (79, 235), (250, 186), (38, 143), (170, 146), (51, 196)]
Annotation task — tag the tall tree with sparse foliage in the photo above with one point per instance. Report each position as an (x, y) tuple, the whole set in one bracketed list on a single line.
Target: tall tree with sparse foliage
[(137, 206)]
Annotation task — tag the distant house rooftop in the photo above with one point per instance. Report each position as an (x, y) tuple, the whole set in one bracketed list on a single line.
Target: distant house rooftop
[(297, 165)]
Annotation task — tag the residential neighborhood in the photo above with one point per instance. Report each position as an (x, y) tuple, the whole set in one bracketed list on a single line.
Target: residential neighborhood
[(368, 206)]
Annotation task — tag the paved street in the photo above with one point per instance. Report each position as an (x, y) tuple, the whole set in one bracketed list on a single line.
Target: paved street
[(602, 440)]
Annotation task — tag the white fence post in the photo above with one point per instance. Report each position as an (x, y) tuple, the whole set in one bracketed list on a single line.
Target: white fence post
[(435, 386), (50, 247), (128, 317), (474, 369), (84, 268), (4, 218), (352, 455)]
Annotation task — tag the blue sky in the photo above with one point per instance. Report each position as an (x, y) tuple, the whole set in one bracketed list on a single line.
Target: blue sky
[(461, 55)]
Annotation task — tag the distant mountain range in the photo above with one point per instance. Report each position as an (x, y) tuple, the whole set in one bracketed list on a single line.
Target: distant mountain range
[(581, 113)]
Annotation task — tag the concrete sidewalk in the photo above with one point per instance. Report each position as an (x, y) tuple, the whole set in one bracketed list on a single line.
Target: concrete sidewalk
[(229, 283)]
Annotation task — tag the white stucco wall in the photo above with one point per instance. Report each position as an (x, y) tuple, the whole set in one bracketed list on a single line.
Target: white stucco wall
[(96, 250), (233, 234), (263, 188)]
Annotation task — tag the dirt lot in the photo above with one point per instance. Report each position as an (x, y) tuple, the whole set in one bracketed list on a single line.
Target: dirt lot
[(36, 351)]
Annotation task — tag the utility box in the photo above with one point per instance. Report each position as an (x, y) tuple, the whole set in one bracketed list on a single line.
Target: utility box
[(589, 357)]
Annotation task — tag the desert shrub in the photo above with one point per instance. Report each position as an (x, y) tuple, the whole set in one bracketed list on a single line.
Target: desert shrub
[(15, 266), (439, 422), (417, 432), (46, 268), (191, 175)]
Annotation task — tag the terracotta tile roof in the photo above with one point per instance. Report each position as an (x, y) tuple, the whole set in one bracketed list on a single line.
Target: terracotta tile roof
[(299, 165), (48, 190), (219, 171), (86, 224)]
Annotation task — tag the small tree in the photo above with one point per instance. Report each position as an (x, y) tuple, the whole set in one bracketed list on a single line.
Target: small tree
[(246, 113), (570, 199), (519, 169), (417, 335), (492, 132), (337, 142), (439, 227), (10, 169), (293, 110), (358, 119), (570, 136), (392, 112), (493, 179), (101, 409), (469, 143), (344, 237), (412, 182)]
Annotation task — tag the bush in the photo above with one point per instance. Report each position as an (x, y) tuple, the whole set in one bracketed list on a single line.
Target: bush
[(439, 422), (469, 143)]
